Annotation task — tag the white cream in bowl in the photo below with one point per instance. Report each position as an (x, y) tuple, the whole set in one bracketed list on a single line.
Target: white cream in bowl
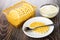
[(49, 10)]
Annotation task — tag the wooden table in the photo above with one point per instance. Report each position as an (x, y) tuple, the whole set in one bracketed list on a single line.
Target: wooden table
[(17, 34)]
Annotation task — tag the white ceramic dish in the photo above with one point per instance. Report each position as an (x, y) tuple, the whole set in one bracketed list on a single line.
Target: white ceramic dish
[(40, 19), (47, 11)]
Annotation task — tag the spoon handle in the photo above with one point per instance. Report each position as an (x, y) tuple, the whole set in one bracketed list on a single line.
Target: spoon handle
[(45, 25), (48, 25)]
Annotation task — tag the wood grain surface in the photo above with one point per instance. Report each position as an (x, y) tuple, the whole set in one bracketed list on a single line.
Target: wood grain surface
[(17, 33)]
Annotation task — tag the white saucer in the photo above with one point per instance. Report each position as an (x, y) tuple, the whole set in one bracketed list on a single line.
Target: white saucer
[(40, 19)]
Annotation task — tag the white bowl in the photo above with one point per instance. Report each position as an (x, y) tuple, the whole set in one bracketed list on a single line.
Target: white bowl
[(40, 19), (51, 14)]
